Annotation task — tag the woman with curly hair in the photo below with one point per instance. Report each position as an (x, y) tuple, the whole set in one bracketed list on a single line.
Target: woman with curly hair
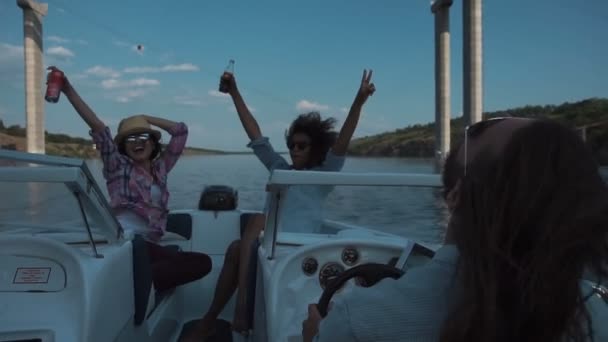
[(313, 145)]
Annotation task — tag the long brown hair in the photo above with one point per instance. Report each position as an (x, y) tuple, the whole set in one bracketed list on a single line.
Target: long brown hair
[(527, 224)]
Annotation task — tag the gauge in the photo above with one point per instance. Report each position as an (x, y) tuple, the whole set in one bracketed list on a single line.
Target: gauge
[(309, 266), (350, 256), (329, 272)]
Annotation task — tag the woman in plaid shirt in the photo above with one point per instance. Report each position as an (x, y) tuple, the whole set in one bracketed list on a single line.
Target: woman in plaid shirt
[(136, 169)]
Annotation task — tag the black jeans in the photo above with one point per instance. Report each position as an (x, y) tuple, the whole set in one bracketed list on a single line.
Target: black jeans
[(171, 268)]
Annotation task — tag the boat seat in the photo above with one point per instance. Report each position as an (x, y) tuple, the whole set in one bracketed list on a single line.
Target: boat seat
[(180, 224), (142, 280)]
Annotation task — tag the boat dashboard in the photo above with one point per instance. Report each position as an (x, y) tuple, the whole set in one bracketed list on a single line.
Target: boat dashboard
[(298, 275)]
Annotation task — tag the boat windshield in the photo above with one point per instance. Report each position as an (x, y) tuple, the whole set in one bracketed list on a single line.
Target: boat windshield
[(312, 202), (47, 199)]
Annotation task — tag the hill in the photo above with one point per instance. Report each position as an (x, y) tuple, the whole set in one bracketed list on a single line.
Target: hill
[(419, 140), (13, 137)]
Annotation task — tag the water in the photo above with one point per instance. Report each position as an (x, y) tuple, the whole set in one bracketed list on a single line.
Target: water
[(414, 212), (418, 213)]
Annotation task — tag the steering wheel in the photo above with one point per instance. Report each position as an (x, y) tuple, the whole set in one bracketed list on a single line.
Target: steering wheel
[(370, 273)]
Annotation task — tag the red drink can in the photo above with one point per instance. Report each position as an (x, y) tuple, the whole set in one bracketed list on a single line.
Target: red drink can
[(54, 84)]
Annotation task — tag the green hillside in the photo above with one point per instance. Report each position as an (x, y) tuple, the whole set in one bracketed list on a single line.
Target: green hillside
[(419, 140)]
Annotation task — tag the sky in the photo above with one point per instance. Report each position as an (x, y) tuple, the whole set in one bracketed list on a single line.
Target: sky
[(292, 57)]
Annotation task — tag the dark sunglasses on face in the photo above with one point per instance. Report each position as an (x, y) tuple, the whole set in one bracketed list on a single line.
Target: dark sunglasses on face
[(475, 130), (143, 137), (300, 145)]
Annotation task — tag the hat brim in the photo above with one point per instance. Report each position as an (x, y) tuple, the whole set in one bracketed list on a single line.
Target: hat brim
[(137, 130)]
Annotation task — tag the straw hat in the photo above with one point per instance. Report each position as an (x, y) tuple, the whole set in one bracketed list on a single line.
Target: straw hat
[(134, 125)]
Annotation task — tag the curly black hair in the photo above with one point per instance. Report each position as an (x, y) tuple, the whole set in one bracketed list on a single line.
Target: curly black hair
[(321, 133)]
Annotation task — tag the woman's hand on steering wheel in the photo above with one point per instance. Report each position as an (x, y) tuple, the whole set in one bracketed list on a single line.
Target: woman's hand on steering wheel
[(310, 326)]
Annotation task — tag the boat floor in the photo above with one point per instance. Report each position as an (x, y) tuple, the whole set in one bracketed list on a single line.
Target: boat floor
[(223, 331)]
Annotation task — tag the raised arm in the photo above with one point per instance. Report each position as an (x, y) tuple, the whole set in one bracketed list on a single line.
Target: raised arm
[(179, 136), (350, 124), (247, 120), (161, 123), (85, 112)]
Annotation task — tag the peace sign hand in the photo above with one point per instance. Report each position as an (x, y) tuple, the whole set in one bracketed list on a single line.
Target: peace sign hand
[(367, 88)]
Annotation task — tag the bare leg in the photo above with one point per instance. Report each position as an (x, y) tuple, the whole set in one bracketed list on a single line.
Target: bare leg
[(252, 232), (224, 289)]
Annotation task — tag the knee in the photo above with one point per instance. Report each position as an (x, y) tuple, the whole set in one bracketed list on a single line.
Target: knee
[(204, 264), (257, 220), (255, 225), (233, 252)]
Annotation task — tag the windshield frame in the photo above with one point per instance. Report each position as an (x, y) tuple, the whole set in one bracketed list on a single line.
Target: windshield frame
[(75, 175)]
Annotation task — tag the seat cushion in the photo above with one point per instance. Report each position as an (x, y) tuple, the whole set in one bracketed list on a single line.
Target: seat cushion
[(180, 224)]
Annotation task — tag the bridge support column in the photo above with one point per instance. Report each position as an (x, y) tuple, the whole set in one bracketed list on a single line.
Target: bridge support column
[(34, 73), (472, 61), (584, 133), (441, 11)]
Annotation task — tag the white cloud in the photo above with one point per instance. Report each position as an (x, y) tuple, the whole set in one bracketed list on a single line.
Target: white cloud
[(307, 106), (344, 110), (60, 10), (129, 95), (59, 51), (101, 71), (215, 93), (82, 42), (10, 52), (57, 39), (144, 82), (114, 83), (233, 110), (11, 65), (120, 43), (166, 68), (187, 100)]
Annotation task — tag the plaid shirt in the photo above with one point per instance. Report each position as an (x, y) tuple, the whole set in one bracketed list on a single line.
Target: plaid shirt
[(129, 185)]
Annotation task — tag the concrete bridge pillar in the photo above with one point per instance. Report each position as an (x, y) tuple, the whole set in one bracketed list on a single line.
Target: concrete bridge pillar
[(33, 12), (441, 11), (584, 133), (472, 61)]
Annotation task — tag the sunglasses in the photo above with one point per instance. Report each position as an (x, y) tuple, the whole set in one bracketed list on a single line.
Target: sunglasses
[(300, 145), (143, 137), (475, 130)]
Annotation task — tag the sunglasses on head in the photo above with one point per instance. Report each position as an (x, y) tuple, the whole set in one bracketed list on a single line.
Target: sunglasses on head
[(300, 145), (475, 130), (143, 137)]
